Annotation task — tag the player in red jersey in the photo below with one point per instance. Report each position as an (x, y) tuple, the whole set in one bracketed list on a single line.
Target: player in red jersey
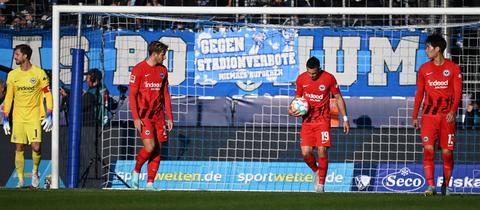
[(149, 102), (440, 80), (316, 85)]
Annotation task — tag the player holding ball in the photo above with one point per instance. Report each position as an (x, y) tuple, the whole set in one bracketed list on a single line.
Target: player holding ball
[(316, 86)]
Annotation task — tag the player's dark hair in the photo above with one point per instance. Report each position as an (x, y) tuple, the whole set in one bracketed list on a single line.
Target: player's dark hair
[(24, 49), (313, 63), (437, 40), (157, 47)]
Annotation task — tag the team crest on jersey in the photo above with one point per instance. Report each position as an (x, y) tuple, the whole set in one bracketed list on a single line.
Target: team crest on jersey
[(321, 87), (33, 80), (425, 139), (446, 72), (147, 132), (132, 78), (162, 75)]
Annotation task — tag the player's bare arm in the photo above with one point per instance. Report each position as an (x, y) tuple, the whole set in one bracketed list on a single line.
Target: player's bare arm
[(138, 124), (415, 123), (450, 117), (170, 125), (343, 109)]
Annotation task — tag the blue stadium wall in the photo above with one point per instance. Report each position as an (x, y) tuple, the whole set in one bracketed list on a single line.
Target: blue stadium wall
[(373, 67), (365, 62)]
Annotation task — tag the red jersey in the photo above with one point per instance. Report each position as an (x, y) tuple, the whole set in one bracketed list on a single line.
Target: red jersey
[(149, 95), (442, 86), (317, 93)]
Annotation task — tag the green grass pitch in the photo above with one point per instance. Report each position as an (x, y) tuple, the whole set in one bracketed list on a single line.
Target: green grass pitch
[(118, 199)]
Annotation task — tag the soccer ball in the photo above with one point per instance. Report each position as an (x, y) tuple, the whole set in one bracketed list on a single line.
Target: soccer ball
[(300, 105)]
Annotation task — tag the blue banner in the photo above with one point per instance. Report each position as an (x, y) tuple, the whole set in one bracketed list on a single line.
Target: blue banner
[(370, 62), (410, 178), (247, 55), (364, 175), (365, 62), (221, 175), (44, 173)]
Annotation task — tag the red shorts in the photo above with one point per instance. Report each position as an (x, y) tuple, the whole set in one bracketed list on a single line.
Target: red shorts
[(436, 127), (315, 134), (154, 130)]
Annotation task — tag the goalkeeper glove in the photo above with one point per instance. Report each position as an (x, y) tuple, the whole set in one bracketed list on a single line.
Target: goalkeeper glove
[(6, 124), (47, 122)]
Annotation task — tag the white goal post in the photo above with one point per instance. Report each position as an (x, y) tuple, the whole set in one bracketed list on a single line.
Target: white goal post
[(61, 9)]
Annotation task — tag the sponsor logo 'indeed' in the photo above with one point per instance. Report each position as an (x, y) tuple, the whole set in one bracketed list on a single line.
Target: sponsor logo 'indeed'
[(403, 180), (153, 85), (438, 84), (314, 97)]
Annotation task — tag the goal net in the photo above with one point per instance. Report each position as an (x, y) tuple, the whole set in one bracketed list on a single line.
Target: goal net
[(232, 76)]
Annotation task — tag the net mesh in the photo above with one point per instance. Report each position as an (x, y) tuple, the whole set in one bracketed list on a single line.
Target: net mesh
[(238, 136)]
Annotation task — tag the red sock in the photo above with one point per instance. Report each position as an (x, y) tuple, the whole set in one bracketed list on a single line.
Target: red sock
[(322, 169), (428, 166), (447, 167), (310, 161), (142, 157), (153, 164)]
